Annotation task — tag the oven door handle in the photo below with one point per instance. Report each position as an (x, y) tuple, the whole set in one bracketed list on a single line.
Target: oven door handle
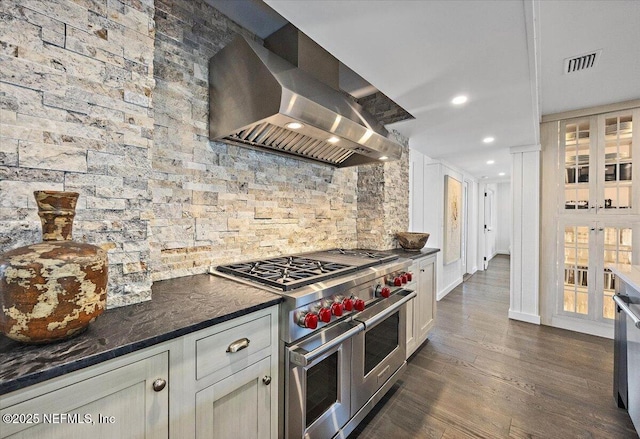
[(303, 358), (399, 300), (624, 307)]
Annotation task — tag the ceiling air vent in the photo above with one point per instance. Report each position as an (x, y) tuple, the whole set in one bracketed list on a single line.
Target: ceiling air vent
[(582, 62)]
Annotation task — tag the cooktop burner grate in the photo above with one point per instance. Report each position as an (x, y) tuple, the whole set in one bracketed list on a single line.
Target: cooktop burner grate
[(289, 272)]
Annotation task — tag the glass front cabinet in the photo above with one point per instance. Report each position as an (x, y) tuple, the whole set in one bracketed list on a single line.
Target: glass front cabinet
[(599, 168), (598, 207), (588, 248)]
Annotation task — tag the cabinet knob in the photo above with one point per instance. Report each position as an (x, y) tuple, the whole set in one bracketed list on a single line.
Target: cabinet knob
[(159, 384), (266, 380)]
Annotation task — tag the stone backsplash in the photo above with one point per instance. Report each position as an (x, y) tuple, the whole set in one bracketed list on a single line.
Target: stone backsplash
[(110, 98), (76, 113)]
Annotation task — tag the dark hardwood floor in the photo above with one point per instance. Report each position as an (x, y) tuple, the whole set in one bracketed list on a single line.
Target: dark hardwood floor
[(481, 375)]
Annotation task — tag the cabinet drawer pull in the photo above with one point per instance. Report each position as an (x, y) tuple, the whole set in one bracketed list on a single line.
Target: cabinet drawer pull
[(266, 380), (238, 345), (159, 384)]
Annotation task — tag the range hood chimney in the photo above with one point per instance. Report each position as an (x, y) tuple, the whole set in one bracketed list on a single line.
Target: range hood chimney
[(285, 97)]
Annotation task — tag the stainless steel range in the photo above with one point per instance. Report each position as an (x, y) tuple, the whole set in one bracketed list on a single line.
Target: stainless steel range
[(342, 331)]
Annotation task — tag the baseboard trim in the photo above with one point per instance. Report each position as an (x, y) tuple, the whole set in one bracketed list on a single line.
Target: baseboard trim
[(446, 290), (578, 325), (524, 317)]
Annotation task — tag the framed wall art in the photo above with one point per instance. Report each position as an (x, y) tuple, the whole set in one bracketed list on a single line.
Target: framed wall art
[(452, 219)]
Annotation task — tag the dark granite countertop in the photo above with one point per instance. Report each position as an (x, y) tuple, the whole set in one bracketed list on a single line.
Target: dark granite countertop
[(178, 306), (426, 251)]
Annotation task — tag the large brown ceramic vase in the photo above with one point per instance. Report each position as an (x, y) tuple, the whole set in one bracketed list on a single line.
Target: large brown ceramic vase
[(52, 290)]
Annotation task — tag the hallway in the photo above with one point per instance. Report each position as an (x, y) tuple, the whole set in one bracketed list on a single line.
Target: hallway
[(481, 375)]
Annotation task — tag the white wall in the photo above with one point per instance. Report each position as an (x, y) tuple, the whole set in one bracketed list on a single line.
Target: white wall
[(503, 218), (427, 214), (473, 227)]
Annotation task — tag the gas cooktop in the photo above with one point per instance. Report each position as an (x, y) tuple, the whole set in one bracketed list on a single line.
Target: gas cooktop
[(290, 272)]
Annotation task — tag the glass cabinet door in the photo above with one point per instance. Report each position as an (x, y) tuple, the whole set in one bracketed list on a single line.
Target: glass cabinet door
[(616, 173), (588, 285), (598, 153), (575, 298), (579, 173), (617, 250)]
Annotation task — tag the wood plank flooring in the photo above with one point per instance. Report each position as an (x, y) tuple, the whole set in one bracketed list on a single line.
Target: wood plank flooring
[(481, 375)]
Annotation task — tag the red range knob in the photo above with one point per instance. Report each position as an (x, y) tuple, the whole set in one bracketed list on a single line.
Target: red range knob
[(397, 281), (347, 304), (359, 305), (409, 276), (336, 309), (385, 292), (308, 320), (311, 321), (403, 277), (325, 315)]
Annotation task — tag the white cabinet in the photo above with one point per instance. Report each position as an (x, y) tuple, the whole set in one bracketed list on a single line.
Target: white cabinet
[(588, 247), (218, 382), (421, 310), (590, 216), (237, 406), (598, 156), (116, 399), (233, 381)]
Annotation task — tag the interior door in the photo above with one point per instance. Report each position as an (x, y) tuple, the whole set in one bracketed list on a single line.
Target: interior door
[(489, 234)]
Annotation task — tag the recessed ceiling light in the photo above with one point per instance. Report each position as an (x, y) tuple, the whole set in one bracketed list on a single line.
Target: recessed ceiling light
[(502, 174), (459, 100), (294, 125), (333, 139), (488, 139), (384, 157), (490, 162)]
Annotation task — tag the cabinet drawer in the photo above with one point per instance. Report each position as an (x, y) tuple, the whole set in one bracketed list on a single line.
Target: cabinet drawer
[(215, 352)]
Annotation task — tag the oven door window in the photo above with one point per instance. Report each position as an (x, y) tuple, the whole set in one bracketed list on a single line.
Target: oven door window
[(322, 387), (380, 341)]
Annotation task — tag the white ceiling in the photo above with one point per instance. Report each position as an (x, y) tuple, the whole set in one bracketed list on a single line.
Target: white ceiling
[(505, 55)]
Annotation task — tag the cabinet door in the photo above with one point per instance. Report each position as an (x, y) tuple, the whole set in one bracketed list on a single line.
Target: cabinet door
[(411, 336), (617, 192), (238, 406), (578, 153), (598, 155), (411, 310), (120, 403), (588, 249), (616, 245), (578, 252), (425, 299)]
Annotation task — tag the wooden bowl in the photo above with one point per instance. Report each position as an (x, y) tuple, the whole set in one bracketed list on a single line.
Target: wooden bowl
[(412, 241)]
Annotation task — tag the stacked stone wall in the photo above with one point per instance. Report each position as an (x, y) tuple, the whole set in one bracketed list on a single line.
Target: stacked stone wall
[(383, 200), (109, 98), (215, 203), (76, 114)]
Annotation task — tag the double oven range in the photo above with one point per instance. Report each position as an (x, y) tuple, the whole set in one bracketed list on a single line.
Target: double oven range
[(342, 334)]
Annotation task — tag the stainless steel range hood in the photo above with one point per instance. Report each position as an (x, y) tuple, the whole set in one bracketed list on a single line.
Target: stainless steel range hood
[(256, 95)]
